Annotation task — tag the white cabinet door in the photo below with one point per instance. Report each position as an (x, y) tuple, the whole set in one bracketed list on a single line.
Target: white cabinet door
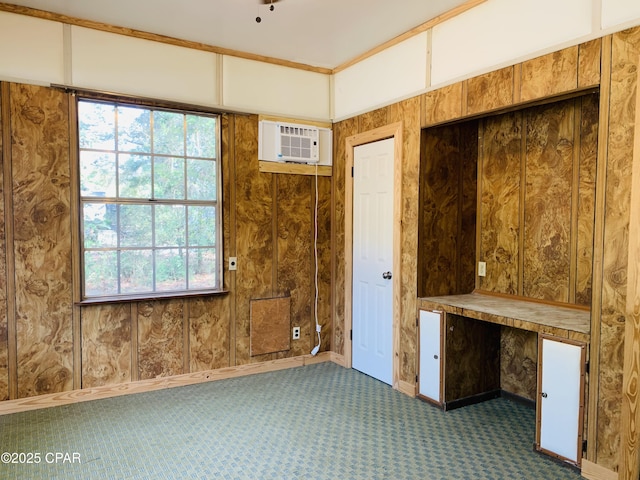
[(560, 397), (430, 355)]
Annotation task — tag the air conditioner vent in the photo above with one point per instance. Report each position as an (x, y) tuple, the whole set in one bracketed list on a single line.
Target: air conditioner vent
[(290, 142), (297, 143)]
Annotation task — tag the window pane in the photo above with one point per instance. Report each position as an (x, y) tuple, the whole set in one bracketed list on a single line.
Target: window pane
[(170, 225), (202, 226), (202, 268), (201, 179), (135, 226), (134, 176), (201, 136), (100, 273), (97, 174), (100, 225), (168, 174), (168, 133), (96, 126), (171, 271), (136, 271), (134, 129)]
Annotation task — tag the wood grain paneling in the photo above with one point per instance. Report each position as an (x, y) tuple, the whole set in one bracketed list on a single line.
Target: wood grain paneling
[(490, 91), (341, 131), (624, 67), (549, 161), (586, 198), (518, 360), (40, 163), (441, 105), (4, 326), (209, 345), (324, 262), (550, 74), (500, 202), (472, 363), (160, 338), (254, 233), (294, 244), (374, 119), (270, 322), (408, 112), (106, 345), (589, 63)]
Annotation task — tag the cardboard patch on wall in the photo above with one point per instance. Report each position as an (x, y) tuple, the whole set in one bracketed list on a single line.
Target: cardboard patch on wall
[(270, 322)]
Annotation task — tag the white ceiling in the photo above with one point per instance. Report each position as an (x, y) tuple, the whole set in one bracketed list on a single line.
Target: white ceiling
[(321, 33)]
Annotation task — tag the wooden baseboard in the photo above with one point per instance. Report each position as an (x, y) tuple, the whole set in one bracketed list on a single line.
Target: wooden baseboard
[(593, 471), (108, 391), (338, 359), (407, 388)]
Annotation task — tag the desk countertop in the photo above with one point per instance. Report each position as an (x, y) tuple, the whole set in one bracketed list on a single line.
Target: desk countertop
[(565, 321)]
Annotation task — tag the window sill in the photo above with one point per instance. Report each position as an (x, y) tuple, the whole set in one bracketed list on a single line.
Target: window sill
[(146, 297)]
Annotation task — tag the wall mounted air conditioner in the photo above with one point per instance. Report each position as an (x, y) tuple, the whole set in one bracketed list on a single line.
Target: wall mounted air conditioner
[(294, 142)]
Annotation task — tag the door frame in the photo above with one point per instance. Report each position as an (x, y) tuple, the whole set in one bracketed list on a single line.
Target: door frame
[(393, 130)]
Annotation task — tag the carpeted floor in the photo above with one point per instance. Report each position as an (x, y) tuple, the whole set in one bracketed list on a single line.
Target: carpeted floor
[(315, 422)]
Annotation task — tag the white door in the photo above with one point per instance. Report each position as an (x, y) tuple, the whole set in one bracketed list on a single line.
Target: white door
[(373, 260), (429, 372), (559, 397)]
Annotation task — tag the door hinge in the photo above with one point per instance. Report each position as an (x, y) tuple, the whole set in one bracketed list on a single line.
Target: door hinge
[(417, 321), (586, 367), (584, 445), (351, 172), (351, 335), (416, 378)]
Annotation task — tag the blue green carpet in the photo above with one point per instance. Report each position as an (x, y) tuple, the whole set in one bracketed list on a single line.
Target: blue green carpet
[(315, 422)]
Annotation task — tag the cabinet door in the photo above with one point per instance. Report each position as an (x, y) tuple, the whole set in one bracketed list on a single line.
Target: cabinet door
[(430, 355), (560, 397)]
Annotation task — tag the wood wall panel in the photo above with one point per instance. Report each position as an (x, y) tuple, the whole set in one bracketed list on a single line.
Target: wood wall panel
[(408, 112), (550, 74), (490, 91), (294, 245), (439, 190), (442, 104), (374, 119), (589, 63), (500, 202), (324, 262), (254, 231), (468, 210), (341, 131), (624, 67), (209, 327), (160, 338), (4, 326), (547, 227), (518, 362), (586, 198), (40, 163), (106, 345)]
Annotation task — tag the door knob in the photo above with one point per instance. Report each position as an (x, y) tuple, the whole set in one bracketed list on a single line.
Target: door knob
[(386, 275), (544, 395)]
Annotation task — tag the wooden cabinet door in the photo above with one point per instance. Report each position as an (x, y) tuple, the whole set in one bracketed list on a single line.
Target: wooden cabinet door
[(560, 405), (430, 363)]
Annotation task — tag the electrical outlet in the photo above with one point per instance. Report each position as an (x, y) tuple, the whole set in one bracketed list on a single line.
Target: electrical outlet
[(296, 333), (482, 269)]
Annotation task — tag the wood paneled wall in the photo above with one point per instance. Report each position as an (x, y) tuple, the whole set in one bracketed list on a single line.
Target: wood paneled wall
[(447, 223), (537, 180), (268, 225)]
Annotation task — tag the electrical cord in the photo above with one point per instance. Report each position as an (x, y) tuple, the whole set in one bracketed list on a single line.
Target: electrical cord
[(316, 349)]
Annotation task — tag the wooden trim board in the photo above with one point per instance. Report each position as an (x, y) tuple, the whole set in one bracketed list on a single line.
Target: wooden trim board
[(593, 471)]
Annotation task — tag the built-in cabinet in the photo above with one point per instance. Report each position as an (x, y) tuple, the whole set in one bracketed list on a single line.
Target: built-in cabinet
[(459, 360), (560, 405)]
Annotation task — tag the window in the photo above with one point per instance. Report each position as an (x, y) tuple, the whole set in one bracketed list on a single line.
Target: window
[(150, 205)]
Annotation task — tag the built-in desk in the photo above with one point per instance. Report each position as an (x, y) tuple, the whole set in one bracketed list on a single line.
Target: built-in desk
[(559, 320)]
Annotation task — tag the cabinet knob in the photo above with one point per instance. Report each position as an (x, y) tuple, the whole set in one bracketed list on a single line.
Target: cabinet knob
[(544, 395)]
